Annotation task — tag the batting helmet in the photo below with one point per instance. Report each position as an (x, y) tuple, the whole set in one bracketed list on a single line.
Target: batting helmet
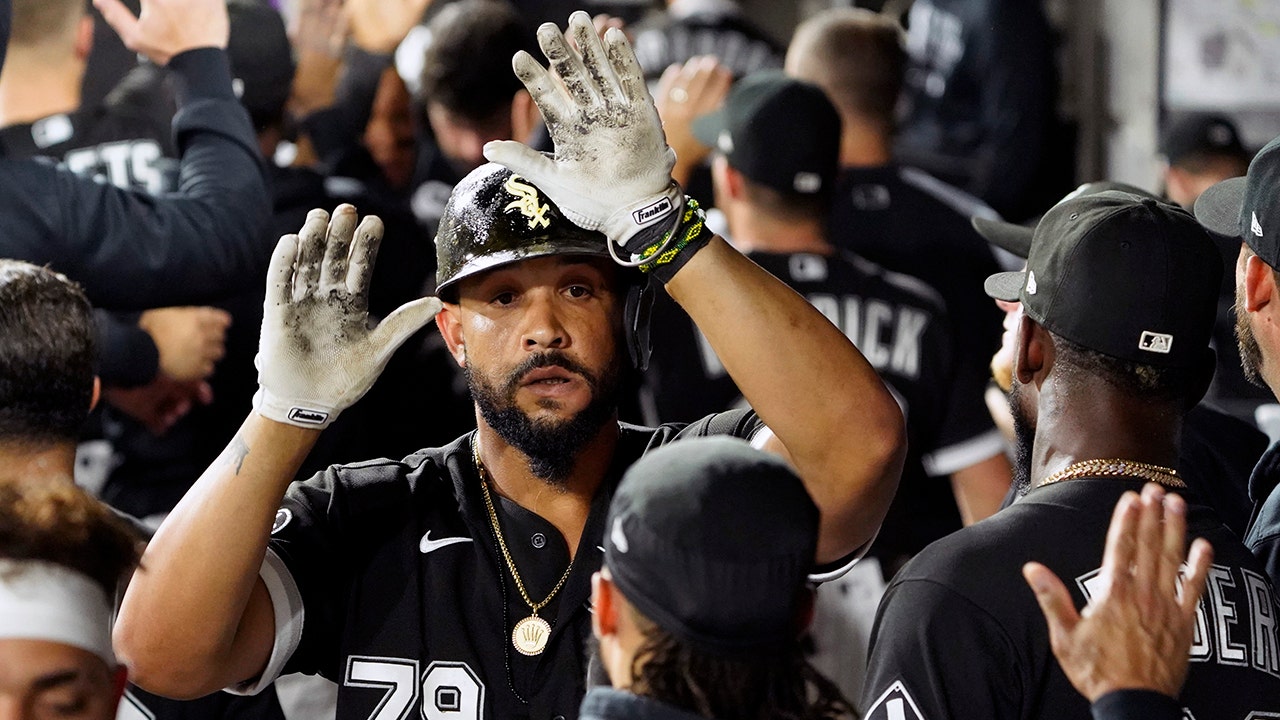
[(495, 217)]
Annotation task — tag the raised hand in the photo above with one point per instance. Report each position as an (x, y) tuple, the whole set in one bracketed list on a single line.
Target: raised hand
[(319, 353), (1136, 633), (164, 28), (611, 170), (685, 93), (378, 26)]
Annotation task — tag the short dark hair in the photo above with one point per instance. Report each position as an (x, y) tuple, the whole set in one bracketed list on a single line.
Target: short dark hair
[(467, 68), (857, 56), (791, 206), (1167, 384), (780, 685), (38, 21), (55, 521), (46, 355)]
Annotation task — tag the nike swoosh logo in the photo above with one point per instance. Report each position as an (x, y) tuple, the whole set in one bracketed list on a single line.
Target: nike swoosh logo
[(428, 545)]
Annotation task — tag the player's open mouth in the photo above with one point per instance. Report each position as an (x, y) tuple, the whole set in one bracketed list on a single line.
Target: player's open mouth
[(548, 377)]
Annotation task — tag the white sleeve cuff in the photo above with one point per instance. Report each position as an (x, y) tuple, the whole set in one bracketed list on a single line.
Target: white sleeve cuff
[(829, 573), (966, 453), (286, 606)]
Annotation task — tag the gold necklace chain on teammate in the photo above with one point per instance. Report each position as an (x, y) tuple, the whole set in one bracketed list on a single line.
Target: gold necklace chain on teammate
[(530, 635), (1117, 467)]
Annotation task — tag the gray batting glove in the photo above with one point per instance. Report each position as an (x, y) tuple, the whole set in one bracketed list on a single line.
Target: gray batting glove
[(319, 352), (611, 170)]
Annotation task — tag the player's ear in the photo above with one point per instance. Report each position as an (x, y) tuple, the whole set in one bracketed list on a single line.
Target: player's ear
[(84, 37), (449, 323), (1259, 284), (604, 610), (97, 393), (1030, 353)]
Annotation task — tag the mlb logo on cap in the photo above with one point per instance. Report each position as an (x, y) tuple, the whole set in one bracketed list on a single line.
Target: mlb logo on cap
[(1156, 342)]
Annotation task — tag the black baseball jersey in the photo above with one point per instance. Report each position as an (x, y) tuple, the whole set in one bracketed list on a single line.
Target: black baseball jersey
[(910, 222), (386, 577), (1263, 537), (959, 633), (122, 147), (901, 327)]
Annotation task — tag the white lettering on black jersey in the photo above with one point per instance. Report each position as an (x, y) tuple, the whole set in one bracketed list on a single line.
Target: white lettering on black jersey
[(1235, 619), (125, 164)]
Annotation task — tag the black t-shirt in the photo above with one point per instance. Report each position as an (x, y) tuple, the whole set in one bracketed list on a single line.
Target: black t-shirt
[(902, 328), (386, 578), (959, 633)]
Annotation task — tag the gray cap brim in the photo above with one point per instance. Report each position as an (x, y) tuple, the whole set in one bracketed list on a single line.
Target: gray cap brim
[(1014, 238), (1006, 286), (1218, 208)]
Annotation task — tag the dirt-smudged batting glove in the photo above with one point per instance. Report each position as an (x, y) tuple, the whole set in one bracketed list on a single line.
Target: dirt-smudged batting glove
[(319, 352), (611, 170)]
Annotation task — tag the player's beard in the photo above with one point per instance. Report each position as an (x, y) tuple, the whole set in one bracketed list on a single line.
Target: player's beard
[(551, 446), (1024, 436), (1250, 350)]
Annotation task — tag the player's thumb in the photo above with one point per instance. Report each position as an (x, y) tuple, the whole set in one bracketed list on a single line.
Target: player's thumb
[(519, 159), (405, 321), (1055, 601)]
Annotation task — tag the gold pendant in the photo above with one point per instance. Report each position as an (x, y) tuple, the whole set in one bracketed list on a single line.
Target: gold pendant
[(530, 635)]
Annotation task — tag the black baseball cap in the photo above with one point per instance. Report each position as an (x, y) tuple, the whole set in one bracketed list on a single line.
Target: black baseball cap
[(780, 132), (1248, 207), (1017, 238), (1201, 134), (1125, 275), (713, 540), (261, 58)]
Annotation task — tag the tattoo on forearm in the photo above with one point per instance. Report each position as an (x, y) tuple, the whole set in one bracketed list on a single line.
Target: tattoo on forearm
[(236, 452)]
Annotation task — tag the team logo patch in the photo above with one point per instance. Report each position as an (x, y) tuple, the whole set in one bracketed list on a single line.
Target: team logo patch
[(283, 516), (895, 704), (1156, 342), (527, 202)]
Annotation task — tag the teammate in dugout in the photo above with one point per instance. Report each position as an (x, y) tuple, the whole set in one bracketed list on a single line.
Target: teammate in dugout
[(1098, 400), (456, 581)]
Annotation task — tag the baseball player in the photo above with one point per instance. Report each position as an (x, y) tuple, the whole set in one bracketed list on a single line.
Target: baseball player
[(698, 614), (1245, 209), (776, 202), (455, 583), (62, 555), (907, 221), (1099, 397), (1216, 451)]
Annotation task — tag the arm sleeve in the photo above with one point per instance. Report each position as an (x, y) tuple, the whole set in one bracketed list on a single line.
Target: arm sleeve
[(935, 655), (127, 356), (131, 251), (1136, 705)]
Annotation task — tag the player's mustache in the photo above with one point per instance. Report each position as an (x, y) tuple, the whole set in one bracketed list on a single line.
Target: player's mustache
[(548, 359)]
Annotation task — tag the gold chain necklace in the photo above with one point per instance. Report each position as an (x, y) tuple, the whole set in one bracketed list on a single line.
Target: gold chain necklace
[(1117, 467), (530, 635)]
